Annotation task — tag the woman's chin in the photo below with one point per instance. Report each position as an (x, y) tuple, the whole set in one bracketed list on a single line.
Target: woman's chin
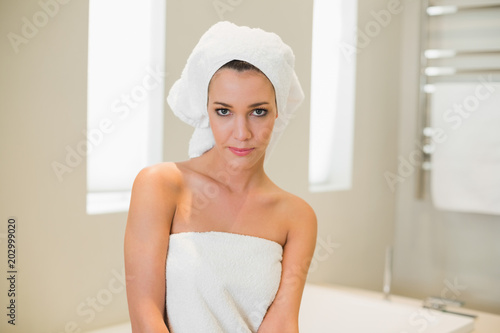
[(245, 160)]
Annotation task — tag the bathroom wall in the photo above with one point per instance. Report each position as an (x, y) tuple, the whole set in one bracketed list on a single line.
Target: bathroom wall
[(360, 220), (439, 253), (70, 264)]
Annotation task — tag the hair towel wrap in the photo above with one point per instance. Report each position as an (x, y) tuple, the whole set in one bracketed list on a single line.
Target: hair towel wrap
[(220, 44)]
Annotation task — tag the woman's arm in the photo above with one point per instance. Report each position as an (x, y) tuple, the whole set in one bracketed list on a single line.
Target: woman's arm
[(152, 208), (283, 314)]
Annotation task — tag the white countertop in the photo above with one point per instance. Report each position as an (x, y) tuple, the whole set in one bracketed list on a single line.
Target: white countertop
[(484, 323)]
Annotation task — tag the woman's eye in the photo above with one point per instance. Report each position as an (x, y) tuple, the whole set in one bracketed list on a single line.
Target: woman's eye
[(259, 112), (222, 112)]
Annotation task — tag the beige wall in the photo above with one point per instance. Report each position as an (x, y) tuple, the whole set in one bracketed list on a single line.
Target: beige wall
[(361, 220), (66, 258)]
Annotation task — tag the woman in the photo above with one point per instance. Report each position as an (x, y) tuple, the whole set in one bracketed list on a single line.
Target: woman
[(212, 244)]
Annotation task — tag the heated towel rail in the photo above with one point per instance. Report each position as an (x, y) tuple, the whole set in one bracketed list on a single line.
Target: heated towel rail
[(447, 57)]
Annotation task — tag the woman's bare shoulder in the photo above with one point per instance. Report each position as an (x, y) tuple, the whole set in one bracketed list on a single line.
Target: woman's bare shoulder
[(295, 209), (154, 198), (161, 177), (302, 209)]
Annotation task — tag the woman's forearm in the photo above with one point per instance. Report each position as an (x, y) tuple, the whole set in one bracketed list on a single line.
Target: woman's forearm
[(151, 327)]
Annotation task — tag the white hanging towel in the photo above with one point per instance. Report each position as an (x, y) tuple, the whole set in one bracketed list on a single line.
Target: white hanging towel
[(220, 282), (465, 174)]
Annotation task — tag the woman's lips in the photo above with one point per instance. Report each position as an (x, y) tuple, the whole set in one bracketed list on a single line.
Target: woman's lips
[(241, 151)]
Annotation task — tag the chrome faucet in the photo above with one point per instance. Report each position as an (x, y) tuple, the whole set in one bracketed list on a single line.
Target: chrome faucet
[(387, 272)]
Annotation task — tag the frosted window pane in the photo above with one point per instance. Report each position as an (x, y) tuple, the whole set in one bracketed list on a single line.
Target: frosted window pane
[(125, 91), (332, 95)]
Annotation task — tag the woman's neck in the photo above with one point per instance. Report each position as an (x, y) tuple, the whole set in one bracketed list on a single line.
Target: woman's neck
[(237, 177)]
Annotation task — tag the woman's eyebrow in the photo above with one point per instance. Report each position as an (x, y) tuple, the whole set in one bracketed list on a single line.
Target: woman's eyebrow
[(254, 105), (251, 106), (224, 104)]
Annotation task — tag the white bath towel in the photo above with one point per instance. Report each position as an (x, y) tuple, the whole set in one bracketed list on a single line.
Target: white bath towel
[(465, 172), (220, 44), (219, 282)]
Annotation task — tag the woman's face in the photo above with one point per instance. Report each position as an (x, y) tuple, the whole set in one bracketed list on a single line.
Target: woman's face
[(242, 111)]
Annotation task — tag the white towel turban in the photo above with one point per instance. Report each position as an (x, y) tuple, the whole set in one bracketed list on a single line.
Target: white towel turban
[(220, 44)]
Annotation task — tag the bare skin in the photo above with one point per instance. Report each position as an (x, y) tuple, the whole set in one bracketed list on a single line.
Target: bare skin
[(227, 190)]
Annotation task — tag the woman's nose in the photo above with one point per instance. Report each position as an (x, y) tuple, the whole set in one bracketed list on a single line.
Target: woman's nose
[(242, 130)]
